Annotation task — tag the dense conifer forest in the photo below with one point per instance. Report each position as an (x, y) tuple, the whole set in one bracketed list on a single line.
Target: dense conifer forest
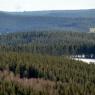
[(38, 63), (52, 43)]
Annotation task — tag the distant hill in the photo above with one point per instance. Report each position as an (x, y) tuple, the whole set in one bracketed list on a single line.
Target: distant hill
[(58, 13), (59, 20)]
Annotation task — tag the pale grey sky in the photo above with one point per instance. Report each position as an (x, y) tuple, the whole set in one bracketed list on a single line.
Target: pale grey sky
[(34, 5)]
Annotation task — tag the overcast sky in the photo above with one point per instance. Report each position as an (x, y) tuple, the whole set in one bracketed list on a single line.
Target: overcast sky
[(34, 5)]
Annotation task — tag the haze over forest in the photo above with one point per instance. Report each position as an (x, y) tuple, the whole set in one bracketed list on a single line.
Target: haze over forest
[(61, 20)]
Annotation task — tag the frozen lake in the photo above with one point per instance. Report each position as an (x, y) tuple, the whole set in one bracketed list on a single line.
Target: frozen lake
[(85, 60)]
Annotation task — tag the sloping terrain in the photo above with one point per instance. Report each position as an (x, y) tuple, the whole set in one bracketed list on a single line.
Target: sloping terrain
[(80, 20), (35, 74)]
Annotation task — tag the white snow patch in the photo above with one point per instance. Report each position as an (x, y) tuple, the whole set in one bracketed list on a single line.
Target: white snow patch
[(85, 60)]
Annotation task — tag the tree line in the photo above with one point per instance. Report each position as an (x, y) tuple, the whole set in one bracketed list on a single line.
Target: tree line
[(52, 43)]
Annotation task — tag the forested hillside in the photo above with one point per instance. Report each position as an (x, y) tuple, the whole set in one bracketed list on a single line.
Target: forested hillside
[(88, 13), (79, 20), (39, 63), (52, 43), (35, 74)]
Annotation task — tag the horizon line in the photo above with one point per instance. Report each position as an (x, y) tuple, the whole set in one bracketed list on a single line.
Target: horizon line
[(47, 10)]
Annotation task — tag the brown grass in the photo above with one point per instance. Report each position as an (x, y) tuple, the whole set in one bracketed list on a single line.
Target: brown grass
[(35, 84)]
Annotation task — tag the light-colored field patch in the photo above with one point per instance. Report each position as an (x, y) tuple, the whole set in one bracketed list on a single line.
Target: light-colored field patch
[(85, 60)]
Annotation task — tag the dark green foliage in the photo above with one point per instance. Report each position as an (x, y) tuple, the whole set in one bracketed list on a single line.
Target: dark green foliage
[(53, 43)]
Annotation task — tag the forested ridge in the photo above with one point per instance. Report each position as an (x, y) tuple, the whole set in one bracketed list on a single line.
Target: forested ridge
[(58, 20), (52, 43), (38, 63)]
